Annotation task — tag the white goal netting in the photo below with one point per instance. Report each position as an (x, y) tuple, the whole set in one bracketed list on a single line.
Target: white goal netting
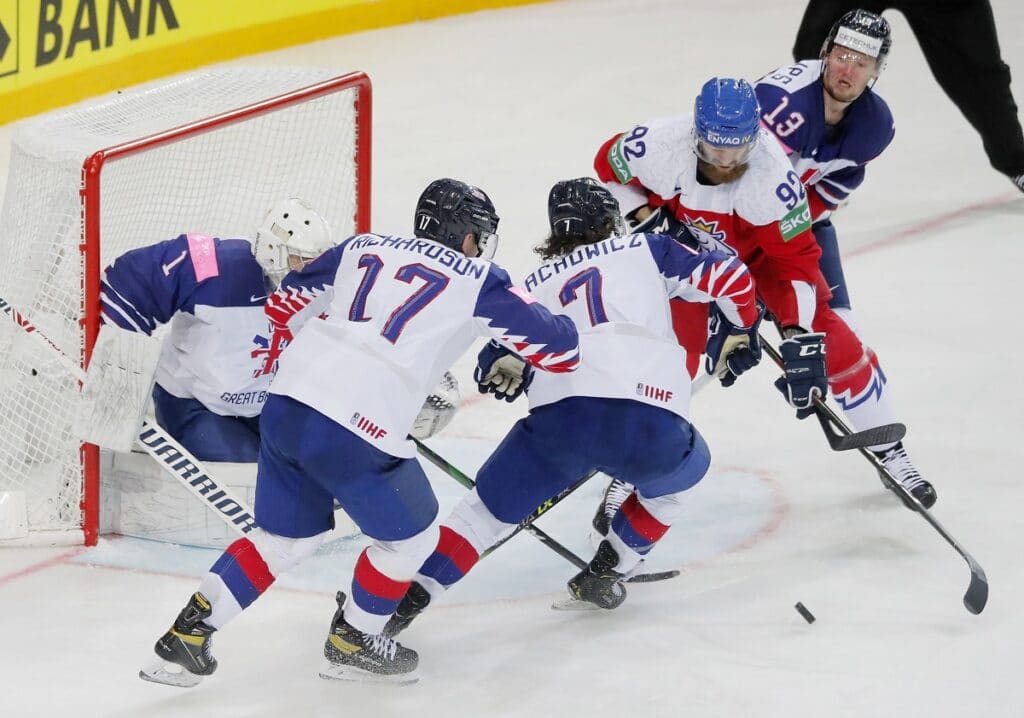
[(206, 152)]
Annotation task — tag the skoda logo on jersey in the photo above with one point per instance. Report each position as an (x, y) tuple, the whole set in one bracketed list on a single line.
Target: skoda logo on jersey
[(722, 140)]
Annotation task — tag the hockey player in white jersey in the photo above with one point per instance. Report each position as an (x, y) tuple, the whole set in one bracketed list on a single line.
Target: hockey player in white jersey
[(399, 312), (210, 384), (624, 412)]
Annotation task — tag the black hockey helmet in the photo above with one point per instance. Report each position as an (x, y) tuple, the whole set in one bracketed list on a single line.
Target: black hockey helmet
[(863, 31), (448, 210), (580, 206)]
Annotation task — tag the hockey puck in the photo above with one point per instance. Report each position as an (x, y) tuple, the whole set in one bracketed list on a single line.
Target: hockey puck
[(802, 610)]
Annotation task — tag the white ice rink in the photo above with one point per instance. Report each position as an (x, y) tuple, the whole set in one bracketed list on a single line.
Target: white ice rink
[(514, 100)]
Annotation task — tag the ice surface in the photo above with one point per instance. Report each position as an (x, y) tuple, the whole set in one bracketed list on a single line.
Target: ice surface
[(513, 100)]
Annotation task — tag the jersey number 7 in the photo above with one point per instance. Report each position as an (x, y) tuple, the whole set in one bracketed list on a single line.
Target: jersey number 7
[(434, 283), (591, 282)]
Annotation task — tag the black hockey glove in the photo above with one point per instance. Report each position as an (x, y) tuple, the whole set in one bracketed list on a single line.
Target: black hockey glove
[(501, 372), (661, 221), (731, 350), (803, 358)]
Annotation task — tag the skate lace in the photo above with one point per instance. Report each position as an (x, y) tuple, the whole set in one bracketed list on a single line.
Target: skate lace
[(1019, 181), (383, 646), (898, 464), (617, 493)]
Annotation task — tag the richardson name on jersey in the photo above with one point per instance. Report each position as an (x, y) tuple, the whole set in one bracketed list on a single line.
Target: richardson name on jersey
[(587, 251), (457, 262), (244, 398)]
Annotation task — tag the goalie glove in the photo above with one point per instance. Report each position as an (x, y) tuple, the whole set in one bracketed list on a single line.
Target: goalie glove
[(731, 350), (803, 359), (438, 409), (501, 372)]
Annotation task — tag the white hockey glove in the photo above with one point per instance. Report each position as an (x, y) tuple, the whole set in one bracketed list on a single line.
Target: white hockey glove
[(501, 372), (117, 388), (731, 350), (438, 409)]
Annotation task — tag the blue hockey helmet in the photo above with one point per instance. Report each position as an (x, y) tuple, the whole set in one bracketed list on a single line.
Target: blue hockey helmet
[(582, 207), (726, 119), (448, 210), (862, 31)]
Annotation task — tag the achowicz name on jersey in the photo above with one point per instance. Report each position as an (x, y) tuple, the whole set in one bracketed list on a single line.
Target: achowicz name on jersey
[(589, 251)]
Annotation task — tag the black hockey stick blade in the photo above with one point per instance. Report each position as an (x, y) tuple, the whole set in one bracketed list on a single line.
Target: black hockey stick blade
[(885, 434), (977, 593), (654, 576)]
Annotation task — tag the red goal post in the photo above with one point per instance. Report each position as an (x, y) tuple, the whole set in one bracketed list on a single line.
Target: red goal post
[(205, 152)]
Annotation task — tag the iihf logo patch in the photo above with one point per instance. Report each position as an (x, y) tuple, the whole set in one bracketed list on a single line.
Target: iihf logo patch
[(367, 427), (654, 392)]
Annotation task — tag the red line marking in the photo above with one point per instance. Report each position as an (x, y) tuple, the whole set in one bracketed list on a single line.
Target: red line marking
[(42, 565), (922, 227)]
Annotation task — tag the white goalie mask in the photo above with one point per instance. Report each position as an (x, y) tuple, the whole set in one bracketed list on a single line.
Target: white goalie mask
[(292, 228)]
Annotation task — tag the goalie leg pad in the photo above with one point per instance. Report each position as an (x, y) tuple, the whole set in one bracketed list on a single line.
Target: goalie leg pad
[(116, 389)]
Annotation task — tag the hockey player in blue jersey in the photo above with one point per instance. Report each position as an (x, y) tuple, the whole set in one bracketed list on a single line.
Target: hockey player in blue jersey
[(376, 322), (831, 123), (210, 382), (624, 412)]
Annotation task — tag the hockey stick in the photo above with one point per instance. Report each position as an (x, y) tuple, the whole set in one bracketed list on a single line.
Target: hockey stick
[(977, 592), (839, 436), (167, 452), (527, 523)]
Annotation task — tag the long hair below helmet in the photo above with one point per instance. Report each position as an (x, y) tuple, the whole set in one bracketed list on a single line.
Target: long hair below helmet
[(580, 211)]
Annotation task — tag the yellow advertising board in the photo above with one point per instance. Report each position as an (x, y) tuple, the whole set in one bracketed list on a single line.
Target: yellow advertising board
[(55, 52)]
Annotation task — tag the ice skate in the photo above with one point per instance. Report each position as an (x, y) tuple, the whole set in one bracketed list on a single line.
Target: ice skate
[(415, 600), (184, 654), (898, 464), (616, 493), (599, 585), (352, 655)]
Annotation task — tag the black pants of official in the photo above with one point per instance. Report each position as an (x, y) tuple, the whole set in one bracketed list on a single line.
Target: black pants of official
[(958, 38)]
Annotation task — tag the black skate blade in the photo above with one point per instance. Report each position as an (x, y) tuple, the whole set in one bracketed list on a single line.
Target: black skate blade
[(333, 672), (654, 576), (164, 673)]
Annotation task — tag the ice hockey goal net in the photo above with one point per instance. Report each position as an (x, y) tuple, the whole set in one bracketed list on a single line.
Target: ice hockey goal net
[(205, 152)]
